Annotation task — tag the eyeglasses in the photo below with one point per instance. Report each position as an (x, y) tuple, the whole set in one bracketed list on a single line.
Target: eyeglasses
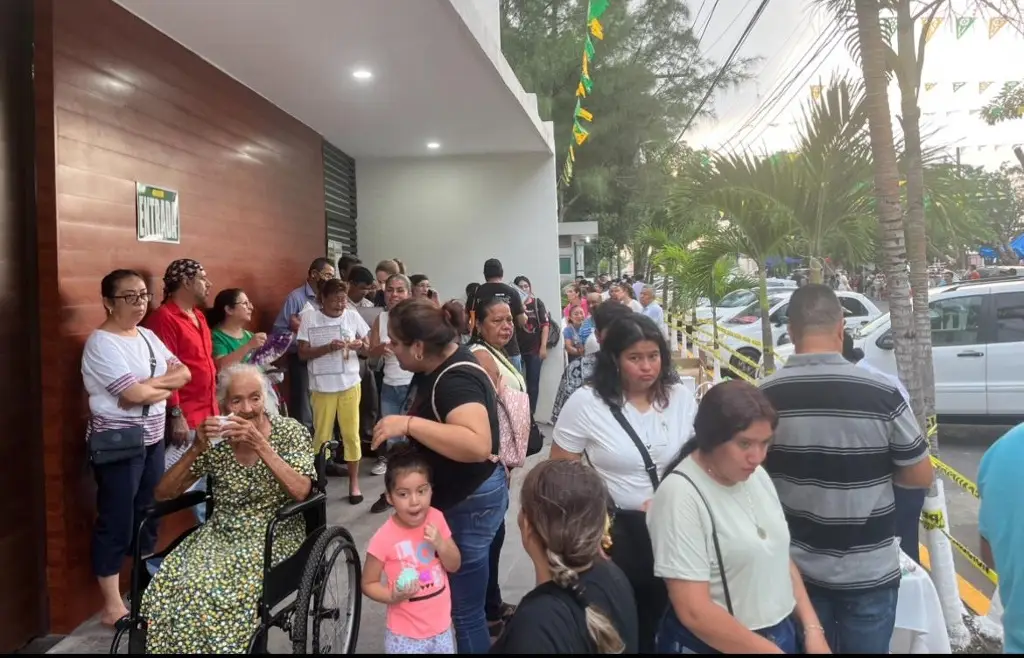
[(133, 298), (246, 304)]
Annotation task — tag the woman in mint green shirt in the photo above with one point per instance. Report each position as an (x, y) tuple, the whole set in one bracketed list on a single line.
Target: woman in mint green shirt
[(232, 342)]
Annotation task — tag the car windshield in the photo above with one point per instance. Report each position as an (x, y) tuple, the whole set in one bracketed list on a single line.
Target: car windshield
[(737, 298), (870, 327), (754, 310)]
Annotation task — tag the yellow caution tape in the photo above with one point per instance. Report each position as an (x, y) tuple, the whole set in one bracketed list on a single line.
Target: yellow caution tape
[(975, 561), (933, 520), (936, 521), (956, 477)]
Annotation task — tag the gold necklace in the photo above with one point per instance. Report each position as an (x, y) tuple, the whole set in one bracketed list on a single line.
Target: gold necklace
[(761, 532)]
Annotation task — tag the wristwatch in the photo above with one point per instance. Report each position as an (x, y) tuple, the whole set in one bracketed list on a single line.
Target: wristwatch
[(174, 412)]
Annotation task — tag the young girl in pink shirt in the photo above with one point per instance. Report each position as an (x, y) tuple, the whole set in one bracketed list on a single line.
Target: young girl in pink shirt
[(414, 550)]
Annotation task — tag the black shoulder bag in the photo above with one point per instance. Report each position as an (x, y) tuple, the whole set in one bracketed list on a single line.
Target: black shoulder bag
[(632, 551), (121, 444), (714, 539), (629, 527)]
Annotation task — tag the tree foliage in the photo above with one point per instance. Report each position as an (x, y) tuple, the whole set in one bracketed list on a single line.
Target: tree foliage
[(648, 77), (1008, 104)]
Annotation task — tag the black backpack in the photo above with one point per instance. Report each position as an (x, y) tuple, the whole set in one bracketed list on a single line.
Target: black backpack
[(554, 331)]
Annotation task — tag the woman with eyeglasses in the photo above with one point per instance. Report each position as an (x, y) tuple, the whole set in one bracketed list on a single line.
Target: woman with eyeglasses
[(232, 342), (128, 374)]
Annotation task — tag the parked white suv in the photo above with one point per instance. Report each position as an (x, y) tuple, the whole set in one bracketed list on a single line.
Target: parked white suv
[(859, 310), (977, 349)]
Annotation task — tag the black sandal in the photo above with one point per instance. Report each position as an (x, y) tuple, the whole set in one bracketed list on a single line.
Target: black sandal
[(355, 499)]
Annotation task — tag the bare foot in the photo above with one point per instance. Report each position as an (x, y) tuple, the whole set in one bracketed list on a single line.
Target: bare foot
[(109, 617)]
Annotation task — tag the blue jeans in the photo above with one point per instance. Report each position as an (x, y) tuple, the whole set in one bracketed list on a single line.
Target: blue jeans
[(673, 637), (392, 403), (856, 622), (517, 361), (532, 364), (124, 490), (909, 503), (474, 523)]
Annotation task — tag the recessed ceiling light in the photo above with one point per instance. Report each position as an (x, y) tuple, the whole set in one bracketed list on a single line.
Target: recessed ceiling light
[(433, 145), (361, 74)]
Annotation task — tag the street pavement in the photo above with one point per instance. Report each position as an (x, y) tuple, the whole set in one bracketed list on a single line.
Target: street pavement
[(961, 446)]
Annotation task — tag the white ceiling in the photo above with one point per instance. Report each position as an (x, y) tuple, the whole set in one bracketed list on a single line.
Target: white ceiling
[(432, 79)]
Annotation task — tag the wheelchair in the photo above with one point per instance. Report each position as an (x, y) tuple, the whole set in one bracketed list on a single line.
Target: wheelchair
[(302, 595)]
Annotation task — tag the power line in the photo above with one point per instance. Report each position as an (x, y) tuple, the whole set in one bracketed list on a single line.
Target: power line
[(782, 86), (697, 15), (707, 22), (729, 26), (765, 125), (725, 66), (775, 97), (796, 84)]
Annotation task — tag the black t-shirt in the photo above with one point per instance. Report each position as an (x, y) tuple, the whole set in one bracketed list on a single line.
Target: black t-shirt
[(515, 302), (455, 481), (549, 620), (529, 337)]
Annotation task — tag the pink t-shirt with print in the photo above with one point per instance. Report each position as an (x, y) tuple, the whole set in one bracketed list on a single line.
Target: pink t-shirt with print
[(429, 613)]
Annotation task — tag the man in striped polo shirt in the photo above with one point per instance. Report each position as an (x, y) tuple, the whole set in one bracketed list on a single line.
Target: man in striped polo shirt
[(845, 436)]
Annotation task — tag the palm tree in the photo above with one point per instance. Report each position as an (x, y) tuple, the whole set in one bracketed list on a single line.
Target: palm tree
[(754, 223), (701, 271), (831, 167), (877, 60)]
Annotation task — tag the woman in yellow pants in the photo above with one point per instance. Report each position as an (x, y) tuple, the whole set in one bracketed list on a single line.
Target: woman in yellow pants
[(329, 341)]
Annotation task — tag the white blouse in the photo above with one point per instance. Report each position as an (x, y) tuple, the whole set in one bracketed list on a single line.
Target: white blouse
[(586, 424)]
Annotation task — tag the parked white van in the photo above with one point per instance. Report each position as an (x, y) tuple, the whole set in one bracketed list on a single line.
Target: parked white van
[(977, 349)]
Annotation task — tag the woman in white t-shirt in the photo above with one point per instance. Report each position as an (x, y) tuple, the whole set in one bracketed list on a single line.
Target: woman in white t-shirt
[(329, 341), (395, 386), (630, 421), (721, 541), (128, 374)]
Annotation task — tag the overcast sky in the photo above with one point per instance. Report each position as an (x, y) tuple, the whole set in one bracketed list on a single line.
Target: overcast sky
[(784, 37)]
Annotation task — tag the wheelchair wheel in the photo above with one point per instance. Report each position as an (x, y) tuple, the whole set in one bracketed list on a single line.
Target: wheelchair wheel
[(329, 601)]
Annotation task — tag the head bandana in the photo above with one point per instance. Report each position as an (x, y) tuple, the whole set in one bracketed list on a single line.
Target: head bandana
[(180, 271)]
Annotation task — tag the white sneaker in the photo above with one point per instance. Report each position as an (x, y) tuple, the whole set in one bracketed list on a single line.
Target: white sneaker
[(380, 467)]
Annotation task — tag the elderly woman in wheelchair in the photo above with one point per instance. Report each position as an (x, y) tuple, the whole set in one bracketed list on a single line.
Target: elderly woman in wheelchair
[(206, 595)]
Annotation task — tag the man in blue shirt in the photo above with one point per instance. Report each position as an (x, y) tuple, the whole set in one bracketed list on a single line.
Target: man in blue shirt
[(652, 308), (1001, 524), (288, 320)]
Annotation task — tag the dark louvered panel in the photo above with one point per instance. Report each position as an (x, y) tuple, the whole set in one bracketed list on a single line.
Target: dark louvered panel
[(340, 201)]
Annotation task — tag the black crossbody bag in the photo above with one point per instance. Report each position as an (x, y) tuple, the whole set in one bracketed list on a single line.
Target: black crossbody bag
[(115, 445), (714, 539), (629, 527)]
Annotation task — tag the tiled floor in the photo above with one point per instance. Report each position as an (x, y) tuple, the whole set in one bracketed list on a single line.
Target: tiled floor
[(516, 570)]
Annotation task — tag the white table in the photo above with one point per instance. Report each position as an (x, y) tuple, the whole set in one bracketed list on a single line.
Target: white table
[(920, 626)]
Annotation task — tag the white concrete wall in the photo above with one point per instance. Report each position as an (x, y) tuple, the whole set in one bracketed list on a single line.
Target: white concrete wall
[(445, 216)]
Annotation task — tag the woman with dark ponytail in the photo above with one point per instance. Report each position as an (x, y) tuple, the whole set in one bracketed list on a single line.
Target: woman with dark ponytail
[(582, 603), (721, 541), (453, 421)]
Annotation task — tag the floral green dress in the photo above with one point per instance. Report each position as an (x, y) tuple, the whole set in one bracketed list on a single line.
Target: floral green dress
[(203, 598)]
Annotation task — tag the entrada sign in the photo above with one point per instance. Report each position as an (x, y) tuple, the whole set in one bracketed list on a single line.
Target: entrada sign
[(158, 216)]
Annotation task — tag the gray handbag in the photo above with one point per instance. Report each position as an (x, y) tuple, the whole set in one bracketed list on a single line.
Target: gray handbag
[(123, 443)]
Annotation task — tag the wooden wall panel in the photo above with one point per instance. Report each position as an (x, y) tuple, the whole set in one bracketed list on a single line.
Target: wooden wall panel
[(22, 602), (129, 104)]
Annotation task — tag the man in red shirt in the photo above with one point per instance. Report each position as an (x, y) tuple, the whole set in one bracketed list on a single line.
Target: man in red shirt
[(181, 325)]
